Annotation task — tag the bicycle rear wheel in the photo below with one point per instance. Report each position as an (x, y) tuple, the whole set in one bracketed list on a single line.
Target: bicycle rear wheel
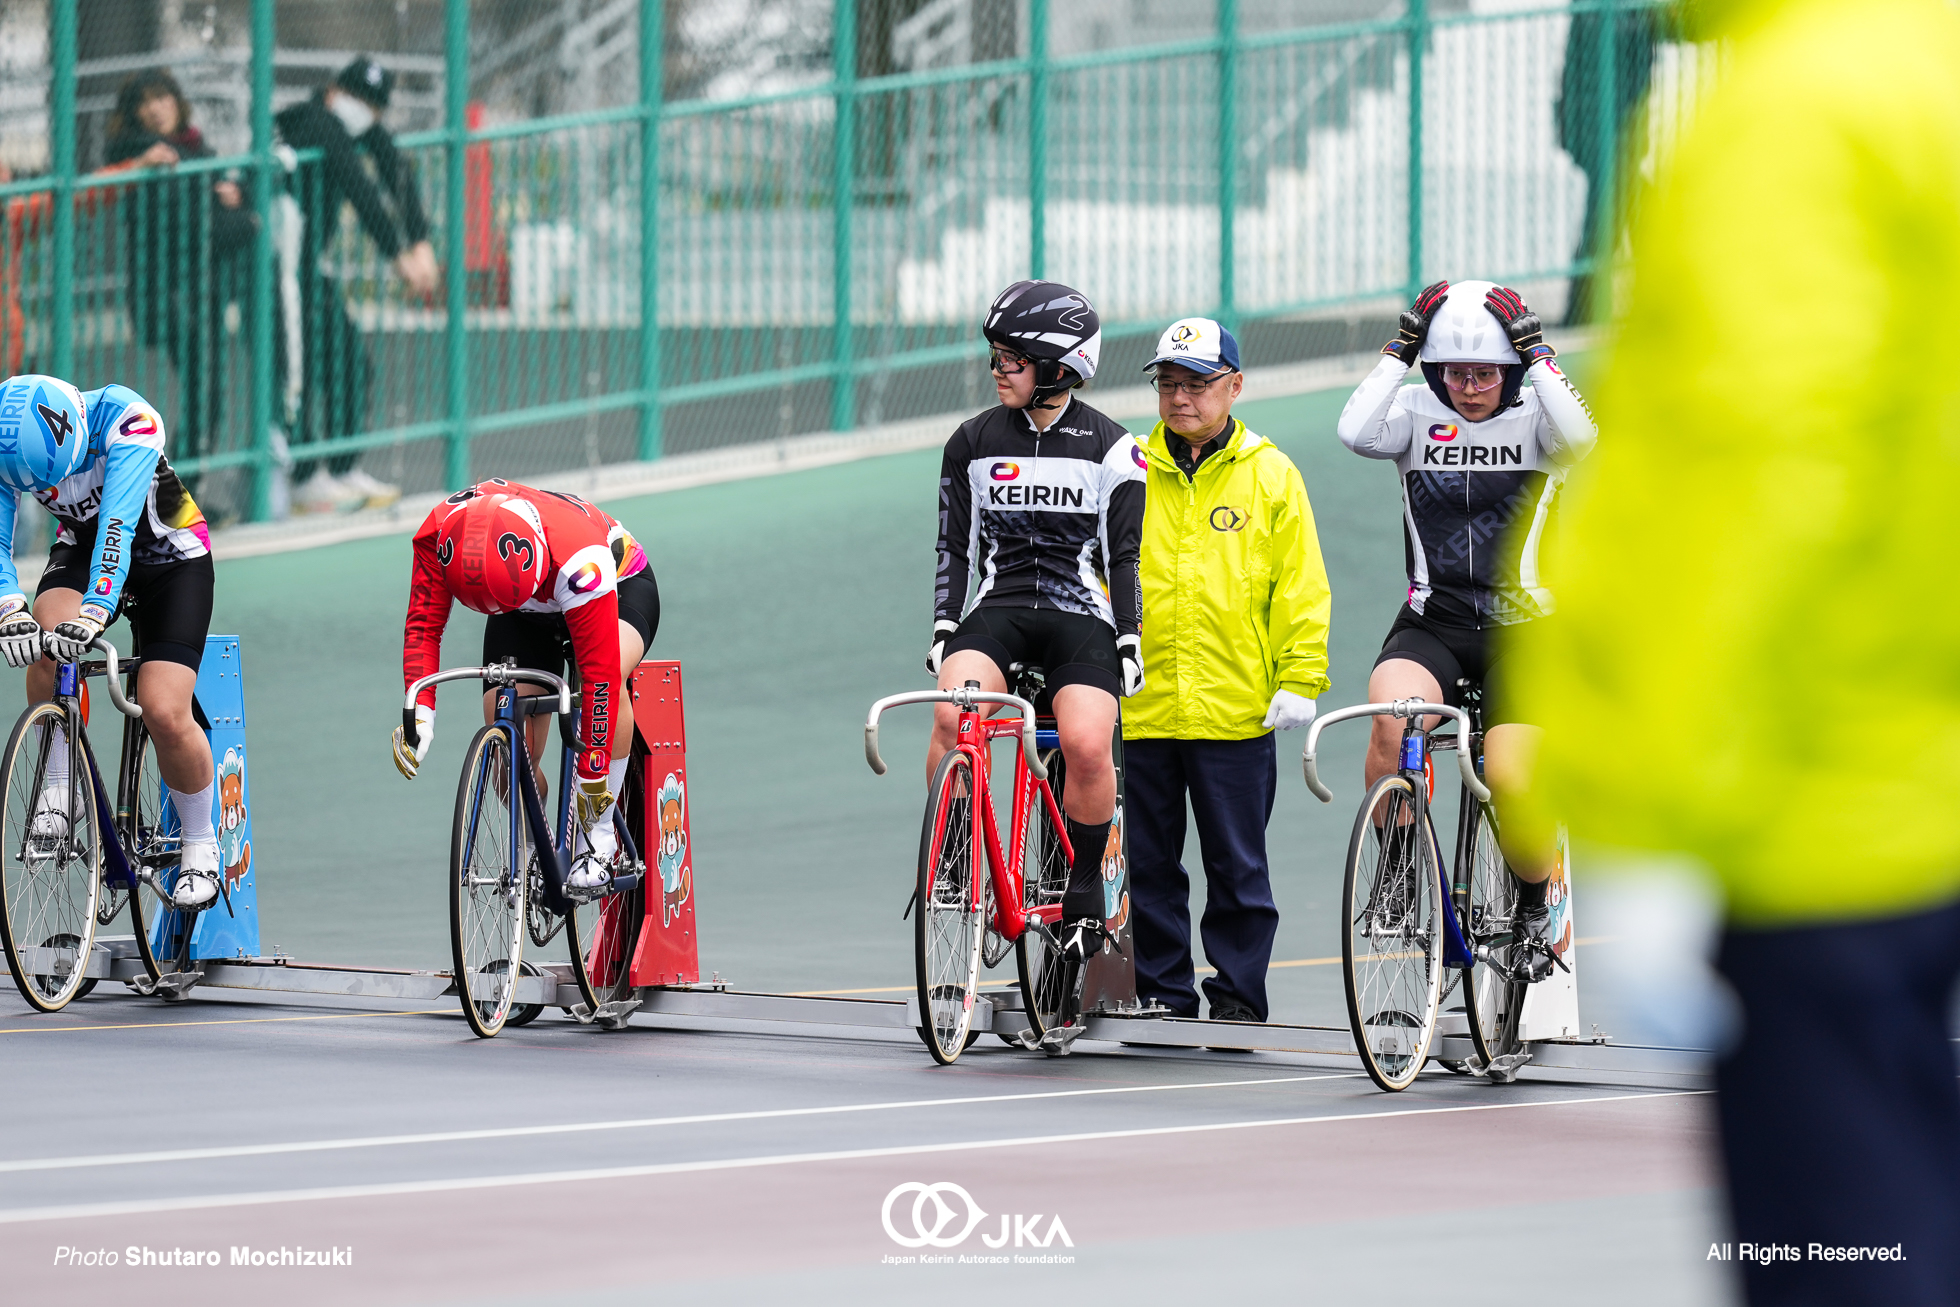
[(1391, 947), (153, 855), (1046, 981), (601, 936), (51, 879), (1487, 896), (486, 891), (951, 919)]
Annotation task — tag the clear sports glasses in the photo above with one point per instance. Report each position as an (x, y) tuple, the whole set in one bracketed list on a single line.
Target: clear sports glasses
[(1472, 379)]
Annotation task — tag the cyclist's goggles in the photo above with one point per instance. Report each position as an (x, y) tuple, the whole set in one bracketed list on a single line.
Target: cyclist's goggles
[(1009, 364), (1474, 378)]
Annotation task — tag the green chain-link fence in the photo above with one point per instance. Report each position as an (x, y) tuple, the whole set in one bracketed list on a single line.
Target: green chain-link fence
[(835, 194)]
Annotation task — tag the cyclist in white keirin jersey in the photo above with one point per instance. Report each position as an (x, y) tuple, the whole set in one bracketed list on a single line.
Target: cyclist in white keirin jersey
[(1483, 442)]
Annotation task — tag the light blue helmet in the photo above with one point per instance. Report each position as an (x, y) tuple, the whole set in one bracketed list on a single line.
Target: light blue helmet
[(43, 432)]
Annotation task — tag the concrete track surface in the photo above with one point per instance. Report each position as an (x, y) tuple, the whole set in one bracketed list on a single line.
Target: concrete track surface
[(673, 1163)]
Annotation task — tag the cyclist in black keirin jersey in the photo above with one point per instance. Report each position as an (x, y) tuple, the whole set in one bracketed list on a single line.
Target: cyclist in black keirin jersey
[(1041, 497)]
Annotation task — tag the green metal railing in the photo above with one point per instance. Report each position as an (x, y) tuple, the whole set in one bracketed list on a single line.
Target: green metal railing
[(820, 257)]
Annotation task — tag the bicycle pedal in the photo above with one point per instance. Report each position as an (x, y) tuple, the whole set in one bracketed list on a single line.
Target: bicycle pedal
[(1503, 1070)]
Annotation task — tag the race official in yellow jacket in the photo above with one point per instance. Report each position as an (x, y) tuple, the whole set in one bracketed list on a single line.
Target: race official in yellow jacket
[(1756, 664), (1235, 608)]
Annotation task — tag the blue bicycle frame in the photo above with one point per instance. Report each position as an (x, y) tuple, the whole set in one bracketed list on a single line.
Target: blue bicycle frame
[(1415, 756)]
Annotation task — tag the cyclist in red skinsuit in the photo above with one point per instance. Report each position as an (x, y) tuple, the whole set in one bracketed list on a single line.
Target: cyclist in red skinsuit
[(550, 570)]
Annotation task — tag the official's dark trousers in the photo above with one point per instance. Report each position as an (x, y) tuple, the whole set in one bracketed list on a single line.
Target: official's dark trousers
[(1839, 1109), (1231, 784)]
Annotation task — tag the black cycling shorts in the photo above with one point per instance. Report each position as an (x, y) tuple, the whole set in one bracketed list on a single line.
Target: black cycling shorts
[(1071, 648), (168, 604), (1450, 654), (543, 641)]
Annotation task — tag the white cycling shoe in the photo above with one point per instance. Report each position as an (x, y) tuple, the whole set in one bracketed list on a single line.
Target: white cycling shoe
[(50, 824), (197, 877), (592, 869)]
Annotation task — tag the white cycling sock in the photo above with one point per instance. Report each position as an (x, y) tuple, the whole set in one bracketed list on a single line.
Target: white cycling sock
[(194, 812), (616, 775), (57, 774)]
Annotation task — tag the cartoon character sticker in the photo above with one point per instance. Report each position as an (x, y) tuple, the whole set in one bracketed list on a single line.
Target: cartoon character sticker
[(1116, 894), (234, 848), (676, 877)]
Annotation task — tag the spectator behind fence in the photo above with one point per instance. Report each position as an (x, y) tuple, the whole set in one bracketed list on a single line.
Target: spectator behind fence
[(186, 241), (1621, 43), (1754, 601), (341, 119)]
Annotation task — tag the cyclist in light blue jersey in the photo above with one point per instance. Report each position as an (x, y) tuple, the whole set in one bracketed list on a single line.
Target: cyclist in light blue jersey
[(129, 540)]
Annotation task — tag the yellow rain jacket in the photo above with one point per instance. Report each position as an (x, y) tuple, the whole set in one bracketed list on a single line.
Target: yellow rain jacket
[(1235, 594), (1757, 656)]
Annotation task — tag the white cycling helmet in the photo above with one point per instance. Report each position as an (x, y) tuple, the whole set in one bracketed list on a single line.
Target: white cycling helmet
[(1464, 330)]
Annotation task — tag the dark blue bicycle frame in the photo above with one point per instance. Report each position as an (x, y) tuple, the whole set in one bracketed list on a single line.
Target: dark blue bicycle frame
[(554, 849), (1415, 753)]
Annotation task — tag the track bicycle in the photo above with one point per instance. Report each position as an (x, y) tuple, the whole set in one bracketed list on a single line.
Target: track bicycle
[(507, 867), (1397, 941), (974, 901), (61, 883)]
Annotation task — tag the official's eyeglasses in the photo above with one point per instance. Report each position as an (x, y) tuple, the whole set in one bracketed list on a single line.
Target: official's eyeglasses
[(1009, 365), (1164, 385), (1472, 379)]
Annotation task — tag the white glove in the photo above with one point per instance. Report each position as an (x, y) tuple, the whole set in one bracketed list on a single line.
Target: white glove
[(941, 633), (69, 641), (20, 634), (1288, 711), (409, 753), (1130, 649)]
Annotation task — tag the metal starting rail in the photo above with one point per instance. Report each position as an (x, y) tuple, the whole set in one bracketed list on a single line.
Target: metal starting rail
[(1598, 1061)]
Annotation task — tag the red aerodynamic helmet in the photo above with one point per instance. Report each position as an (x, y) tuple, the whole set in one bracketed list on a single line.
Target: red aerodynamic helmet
[(492, 553)]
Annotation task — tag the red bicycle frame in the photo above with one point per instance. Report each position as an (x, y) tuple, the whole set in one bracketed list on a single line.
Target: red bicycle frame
[(975, 739)]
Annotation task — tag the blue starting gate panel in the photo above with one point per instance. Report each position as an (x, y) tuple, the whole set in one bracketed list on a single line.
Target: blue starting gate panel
[(223, 931)]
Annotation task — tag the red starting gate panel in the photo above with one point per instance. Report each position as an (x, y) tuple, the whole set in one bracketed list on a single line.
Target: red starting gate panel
[(666, 953)]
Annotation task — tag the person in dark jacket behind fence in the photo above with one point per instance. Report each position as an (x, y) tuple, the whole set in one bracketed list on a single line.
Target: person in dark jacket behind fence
[(186, 237), (341, 120)]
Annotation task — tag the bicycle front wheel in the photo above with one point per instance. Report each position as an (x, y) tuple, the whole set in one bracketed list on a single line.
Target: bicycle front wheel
[(486, 887), (1391, 946), (951, 920), (1488, 898), (1045, 980), (50, 863)]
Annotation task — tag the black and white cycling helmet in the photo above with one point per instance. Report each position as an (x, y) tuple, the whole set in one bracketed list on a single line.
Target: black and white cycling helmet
[(1464, 330), (1053, 324)]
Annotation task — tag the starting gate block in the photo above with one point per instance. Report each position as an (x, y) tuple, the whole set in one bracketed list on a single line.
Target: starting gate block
[(229, 928), (666, 953)]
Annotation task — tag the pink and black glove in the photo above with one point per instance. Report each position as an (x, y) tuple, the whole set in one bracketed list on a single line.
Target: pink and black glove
[(1520, 324), (1414, 324)]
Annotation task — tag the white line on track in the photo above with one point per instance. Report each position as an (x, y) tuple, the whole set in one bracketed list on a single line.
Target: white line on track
[(202, 1201), (638, 1123)]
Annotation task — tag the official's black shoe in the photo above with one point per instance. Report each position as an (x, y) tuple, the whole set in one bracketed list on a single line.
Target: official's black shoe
[(1533, 955), (1232, 1010)]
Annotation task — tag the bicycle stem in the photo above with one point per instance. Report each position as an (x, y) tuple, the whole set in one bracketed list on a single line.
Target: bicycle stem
[(1403, 708)]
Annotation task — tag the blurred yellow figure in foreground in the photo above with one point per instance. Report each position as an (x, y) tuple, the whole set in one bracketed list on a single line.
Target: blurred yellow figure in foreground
[(1758, 605)]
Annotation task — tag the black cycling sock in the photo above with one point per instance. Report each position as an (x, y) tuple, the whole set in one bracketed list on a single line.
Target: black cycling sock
[(1531, 893), (1085, 890)]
